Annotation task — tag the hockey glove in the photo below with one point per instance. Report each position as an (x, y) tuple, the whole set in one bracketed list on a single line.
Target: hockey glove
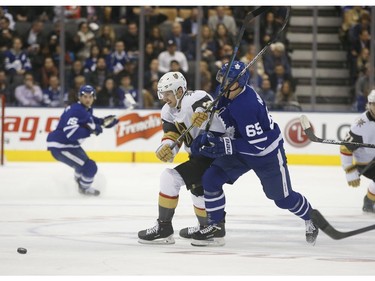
[(165, 153), (197, 143), (97, 130), (216, 147), (110, 121), (352, 176), (198, 118)]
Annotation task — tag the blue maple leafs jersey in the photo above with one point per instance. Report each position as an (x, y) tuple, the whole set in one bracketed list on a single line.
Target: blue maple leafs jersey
[(75, 124), (249, 124)]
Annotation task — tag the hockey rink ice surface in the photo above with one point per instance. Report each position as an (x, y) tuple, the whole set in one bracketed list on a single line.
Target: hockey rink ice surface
[(67, 234)]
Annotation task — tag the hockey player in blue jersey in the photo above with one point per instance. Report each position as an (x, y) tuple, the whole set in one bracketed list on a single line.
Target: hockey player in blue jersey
[(252, 141), (77, 123)]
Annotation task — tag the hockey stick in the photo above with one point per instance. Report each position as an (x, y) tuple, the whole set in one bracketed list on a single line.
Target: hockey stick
[(129, 100), (328, 229), (306, 126), (249, 17)]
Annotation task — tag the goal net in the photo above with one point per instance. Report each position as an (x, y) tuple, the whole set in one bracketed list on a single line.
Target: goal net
[(2, 117)]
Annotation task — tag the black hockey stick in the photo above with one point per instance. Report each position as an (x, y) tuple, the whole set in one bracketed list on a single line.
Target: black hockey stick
[(249, 17), (328, 229), (305, 123)]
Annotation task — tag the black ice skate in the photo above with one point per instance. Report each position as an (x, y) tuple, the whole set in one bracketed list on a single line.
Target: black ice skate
[(161, 233), (211, 235), (312, 232), (188, 232), (368, 205)]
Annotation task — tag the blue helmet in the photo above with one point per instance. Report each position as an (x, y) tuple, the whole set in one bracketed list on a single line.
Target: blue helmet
[(87, 90), (235, 70)]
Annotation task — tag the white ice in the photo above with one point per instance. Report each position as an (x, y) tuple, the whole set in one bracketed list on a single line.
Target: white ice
[(68, 234)]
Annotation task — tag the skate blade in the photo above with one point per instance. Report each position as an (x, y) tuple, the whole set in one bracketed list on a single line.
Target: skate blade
[(215, 242), (162, 241)]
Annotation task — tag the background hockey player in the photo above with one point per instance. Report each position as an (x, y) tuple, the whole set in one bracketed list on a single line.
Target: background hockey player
[(77, 123), (181, 109), (356, 160), (252, 141)]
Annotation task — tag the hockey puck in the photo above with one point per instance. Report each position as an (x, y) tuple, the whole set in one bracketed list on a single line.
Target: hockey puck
[(22, 251)]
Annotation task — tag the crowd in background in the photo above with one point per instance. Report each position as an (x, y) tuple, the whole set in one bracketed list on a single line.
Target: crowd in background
[(102, 49), (355, 37)]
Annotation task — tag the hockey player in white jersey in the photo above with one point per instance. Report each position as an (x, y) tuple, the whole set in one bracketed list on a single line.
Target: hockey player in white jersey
[(355, 160), (182, 109)]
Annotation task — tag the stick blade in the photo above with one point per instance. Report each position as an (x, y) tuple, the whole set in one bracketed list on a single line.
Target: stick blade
[(305, 123)]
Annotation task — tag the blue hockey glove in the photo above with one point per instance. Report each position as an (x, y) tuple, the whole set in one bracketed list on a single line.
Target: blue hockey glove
[(98, 129), (215, 147), (197, 143), (110, 121)]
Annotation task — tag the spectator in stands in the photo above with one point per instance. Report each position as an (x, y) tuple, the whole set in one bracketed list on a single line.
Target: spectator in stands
[(70, 96), (225, 52), (53, 43), (106, 39), (276, 55), (152, 73), (363, 42), (221, 18), (150, 98), (48, 69), (33, 39), (182, 40), (268, 28), (90, 62), (16, 63), (362, 89), (70, 12), (131, 39), (51, 94), (19, 13), (107, 96), (170, 54), (124, 88), (5, 89), (208, 45), (363, 24), (278, 77), (157, 39), (90, 13), (190, 24), (222, 37), (87, 38), (99, 75), (71, 74), (4, 13), (176, 67), (118, 58), (149, 55), (362, 60), (29, 94), (286, 99), (205, 75), (6, 34), (250, 55), (267, 94)]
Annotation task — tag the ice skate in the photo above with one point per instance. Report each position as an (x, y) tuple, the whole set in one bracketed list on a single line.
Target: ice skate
[(188, 232), (88, 191), (368, 205), (312, 232), (161, 233), (211, 235)]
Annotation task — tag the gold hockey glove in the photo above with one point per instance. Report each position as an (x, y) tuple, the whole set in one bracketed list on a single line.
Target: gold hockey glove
[(164, 153)]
